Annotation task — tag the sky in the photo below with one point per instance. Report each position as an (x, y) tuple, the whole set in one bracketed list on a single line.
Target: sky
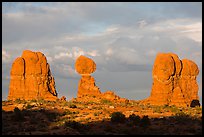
[(123, 39)]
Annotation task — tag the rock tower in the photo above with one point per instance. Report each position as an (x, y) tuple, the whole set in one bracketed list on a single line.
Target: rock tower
[(31, 78), (174, 81)]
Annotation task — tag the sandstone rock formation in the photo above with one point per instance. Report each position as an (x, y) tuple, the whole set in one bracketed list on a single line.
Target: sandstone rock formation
[(85, 66), (87, 89), (111, 96), (31, 78), (174, 81)]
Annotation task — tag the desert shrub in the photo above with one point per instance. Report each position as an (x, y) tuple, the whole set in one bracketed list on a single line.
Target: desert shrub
[(195, 103), (105, 101), (33, 100), (72, 106), (66, 112), (51, 103), (75, 112), (29, 106), (157, 109), (74, 124), (51, 115), (145, 121), (182, 117), (97, 113), (18, 116), (19, 101), (117, 117), (134, 118), (174, 109), (41, 101)]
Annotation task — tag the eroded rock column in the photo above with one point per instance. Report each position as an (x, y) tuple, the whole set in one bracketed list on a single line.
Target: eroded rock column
[(174, 81), (85, 66), (31, 78)]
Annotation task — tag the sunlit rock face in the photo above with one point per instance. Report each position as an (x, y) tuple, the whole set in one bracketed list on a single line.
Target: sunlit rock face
[(85, 66), (87, 89), (31, 78), (174, 81)]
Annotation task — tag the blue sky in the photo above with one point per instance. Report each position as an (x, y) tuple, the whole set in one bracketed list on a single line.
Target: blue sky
[(122, 38)]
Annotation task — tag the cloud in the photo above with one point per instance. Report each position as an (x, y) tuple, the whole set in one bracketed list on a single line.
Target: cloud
[(142, 23), (62, 54), (5, 56), (119, 37), (181, 27), (93, 53)]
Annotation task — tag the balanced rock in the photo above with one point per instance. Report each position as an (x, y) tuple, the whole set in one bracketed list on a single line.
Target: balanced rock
[(85, 66), (87, 89), (31, 78), (174, 81)]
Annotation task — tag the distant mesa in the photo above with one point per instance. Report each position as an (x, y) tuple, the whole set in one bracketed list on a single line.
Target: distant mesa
[(174, 81), (31, 78), (87, 89)]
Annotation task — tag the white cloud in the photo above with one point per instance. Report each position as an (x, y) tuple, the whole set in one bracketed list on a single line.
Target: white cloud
[(49, 59), (111, 29), (142, 23), (77, 52), (63, 54), (5, 56), (93, 53), (180, 27), (109, 52), (151, 53), (193, 31)]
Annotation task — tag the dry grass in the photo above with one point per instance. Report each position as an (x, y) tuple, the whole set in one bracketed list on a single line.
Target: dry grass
[(40, 117)]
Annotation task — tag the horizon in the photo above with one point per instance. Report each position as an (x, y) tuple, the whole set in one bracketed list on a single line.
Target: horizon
[(123, 39)]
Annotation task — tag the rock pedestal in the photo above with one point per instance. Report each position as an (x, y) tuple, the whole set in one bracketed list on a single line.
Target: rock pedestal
[(87, 89)]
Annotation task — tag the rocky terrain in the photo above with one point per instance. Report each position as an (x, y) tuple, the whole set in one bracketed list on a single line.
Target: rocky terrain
[(41, 117), (33, 107)]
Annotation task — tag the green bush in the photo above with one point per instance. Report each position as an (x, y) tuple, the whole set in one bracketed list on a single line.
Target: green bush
[(117, 117)]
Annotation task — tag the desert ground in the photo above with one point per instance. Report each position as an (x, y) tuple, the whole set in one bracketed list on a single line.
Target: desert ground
[(41, 117)]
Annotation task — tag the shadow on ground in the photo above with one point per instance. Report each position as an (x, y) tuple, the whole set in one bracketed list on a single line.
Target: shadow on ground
[(51, 122)]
